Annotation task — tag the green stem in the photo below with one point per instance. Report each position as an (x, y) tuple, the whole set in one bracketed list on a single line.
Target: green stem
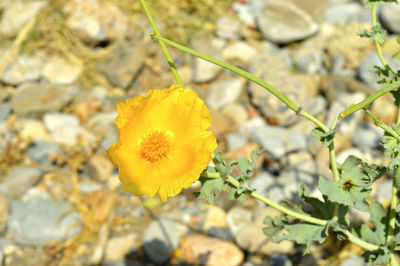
[(163, 46), (377, 44), (332, 157), (392, 214), (369, 99), (248, 76), (382, 125), (351, 237), (393, 261)]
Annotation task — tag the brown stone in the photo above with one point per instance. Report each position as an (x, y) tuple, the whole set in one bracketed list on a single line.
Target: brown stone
[(99, 167)]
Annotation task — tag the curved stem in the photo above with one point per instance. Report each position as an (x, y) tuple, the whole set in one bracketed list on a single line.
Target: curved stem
[(248, 76), (377, 44), (163, 46), (351, 237), (369, 99)]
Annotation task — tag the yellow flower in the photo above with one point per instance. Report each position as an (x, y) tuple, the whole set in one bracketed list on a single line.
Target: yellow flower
[(164, 142)]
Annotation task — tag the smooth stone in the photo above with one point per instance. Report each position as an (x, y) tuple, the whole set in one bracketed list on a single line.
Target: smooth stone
[(94, 21), (278, 141), (236, 112), (124, 62), (279, 260), (235, 141), (41, 150), (284, 22), (245, 12), (215, 216), (308, 58), (384, 190), (203, 250), (342, 13), (354, 260), (342, 156), (5, 110), (99, 167), (102, 125), (265, 184), (220, 232), (22, 69), (18, 180), (119, 247), (239, 50), (58, 70), (31, 130), (224, 92), (36, 222), (227, 27), (64, 128), (384, 108), (161, 238), (368, 136), (238, 218), (34, 99), (366, 64), (17, 14), (389, 14)]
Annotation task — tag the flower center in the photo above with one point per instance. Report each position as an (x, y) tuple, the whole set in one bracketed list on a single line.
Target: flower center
[(155, 146)]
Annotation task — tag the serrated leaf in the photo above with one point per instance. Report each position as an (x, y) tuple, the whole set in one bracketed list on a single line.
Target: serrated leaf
[(210, 187), (234, 195), (325, 137)]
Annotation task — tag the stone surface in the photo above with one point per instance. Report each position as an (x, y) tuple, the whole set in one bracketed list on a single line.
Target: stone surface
[(265, 184), (17, 14), (123, 63), (238, 218), (235, 141), (35, 222), (283, 22), (384, 190), (41, 150), (203, 250), (64, 128), (58, 70), (161, 238), (239, 50), (354, 260), (94, 21), (99, 167), (119, 247), (227, 27), (342, 13), (33, 99), (277, 141), (3, 212), (236, 112), (367, 136), (18, 180), (225, 92), (24, 68), (5, 110), (389, 14), (31, 129), (215, 217)]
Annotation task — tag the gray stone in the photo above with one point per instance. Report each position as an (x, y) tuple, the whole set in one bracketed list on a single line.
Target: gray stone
[(119, 247), (366, 65), (265, 184), (103, 125), (308, 58), (17, 14), (284, 22), (40, 151), (5, 110), (277, 141), (227, 27), (58, 70), (36, 222), (122, 65), (279, 260), (235, 141), (24, 68), (3, 213), (225, 92), (342, 13), (367, 136), (239, 50), (245, 12), (389, 14), (354, 260), (238, 218), (64, 128), (384, 190), (18, 180), (33, 99), (162, 237)]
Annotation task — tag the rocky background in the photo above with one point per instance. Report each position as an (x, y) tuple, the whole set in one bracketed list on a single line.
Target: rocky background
[(65, 64)]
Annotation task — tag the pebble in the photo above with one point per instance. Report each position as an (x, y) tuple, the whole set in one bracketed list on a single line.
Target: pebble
[(384, 190), (35, 222), (94, 21), (238, 218), (58, 70), (161, 238), (239, 50), (123, 63), (18, 180), (203, 250), (31, 129), (24, 68), (17, 14), (64, 128), (278, 141), (224, 92), (389, 14), (3, 212), (227, 27), (236, 112), (265, 184), (283, 22), (354, 260), (40, 151), (5, 110), (119, 247), (215, 217), (99, 167), (367, 136), (342, 13), (34, 99), (235, 141)]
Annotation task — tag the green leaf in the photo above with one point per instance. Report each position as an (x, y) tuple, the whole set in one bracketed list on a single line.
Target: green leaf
[(235, 195), (396, 55), (325, 137), (210, 187), (379, 218)]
